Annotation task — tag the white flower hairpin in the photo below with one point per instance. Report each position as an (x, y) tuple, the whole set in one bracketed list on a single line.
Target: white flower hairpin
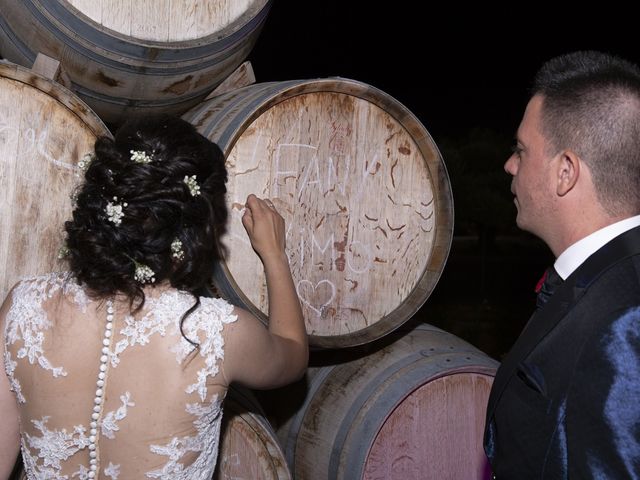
[(63, 251), (85, 161), (143, 273), (114, 211), (176, 249), (140, 156), (74, 197), (191, 182)]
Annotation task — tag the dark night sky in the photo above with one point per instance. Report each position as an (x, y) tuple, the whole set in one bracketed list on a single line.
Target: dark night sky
[(453, 70)]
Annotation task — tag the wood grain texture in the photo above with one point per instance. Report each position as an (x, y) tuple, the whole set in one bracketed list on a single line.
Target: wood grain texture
[(406, 448), (249, 448), (164, 20), (412, 410), (241, 77), (46, 66), (358, 200), (363, 191), (133, 57), (44, 131)]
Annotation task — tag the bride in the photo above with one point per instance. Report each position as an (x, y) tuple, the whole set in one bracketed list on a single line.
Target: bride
[(118, 368)]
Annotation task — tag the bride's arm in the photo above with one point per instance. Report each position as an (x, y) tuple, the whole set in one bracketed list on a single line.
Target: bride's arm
[(9, 429), (256, 356)]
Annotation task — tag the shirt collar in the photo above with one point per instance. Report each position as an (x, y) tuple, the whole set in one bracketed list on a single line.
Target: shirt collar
[(576, 254)]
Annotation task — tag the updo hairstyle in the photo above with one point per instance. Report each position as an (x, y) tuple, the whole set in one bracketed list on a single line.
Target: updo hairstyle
[(158, 208)]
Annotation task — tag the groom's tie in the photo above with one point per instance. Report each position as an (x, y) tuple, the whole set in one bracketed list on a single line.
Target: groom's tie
[(546, 286)]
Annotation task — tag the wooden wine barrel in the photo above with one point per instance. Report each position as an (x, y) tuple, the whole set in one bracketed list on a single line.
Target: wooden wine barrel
[(364, 192), (249, 447), (44, 131), (413, 410), (134, 57)]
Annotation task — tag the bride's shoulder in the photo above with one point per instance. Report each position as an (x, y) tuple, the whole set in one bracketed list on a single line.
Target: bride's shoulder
[(172, 302), (215, 310), (42, 283), (38, 288)]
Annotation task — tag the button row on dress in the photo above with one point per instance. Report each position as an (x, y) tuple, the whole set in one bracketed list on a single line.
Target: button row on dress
[(97, 401)]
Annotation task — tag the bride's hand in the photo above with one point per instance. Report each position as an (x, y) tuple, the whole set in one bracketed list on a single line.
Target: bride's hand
[(265, 227)]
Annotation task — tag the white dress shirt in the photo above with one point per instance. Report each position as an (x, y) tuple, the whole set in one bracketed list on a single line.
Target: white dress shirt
[(577, 253)]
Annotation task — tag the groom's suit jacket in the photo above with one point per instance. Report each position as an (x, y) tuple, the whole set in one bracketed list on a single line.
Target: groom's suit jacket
[(565, 403)]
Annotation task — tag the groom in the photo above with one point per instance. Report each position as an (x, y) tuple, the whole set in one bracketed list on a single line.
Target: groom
[(566, 400)]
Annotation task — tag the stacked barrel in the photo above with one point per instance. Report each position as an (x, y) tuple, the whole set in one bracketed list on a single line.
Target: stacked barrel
[(359, 180)]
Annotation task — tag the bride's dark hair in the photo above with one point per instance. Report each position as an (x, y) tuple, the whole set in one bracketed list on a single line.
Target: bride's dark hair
[(160, 208)]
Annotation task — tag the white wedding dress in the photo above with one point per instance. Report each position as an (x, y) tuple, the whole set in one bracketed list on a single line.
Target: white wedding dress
[(152, 400)]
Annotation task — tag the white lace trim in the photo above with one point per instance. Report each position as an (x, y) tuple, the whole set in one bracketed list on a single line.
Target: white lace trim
[(44, 455), (112, 471), (54, 447), (109, 425), (82, 473), (28, 322), (162, 315), (208, 419), (10, 367), (211, 347)]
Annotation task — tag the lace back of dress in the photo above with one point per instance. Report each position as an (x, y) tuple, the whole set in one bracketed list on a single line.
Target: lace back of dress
[(105, 387)]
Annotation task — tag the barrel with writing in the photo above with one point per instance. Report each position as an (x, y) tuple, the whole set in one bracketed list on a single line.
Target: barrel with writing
[(134, 57), (411, 410), (364, 192), (44, 131)]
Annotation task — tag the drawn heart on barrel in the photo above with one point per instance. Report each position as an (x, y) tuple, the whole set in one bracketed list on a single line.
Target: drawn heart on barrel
[(308, 292)]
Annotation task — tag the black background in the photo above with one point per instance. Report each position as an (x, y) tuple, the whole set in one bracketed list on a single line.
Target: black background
[(459, 68)]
